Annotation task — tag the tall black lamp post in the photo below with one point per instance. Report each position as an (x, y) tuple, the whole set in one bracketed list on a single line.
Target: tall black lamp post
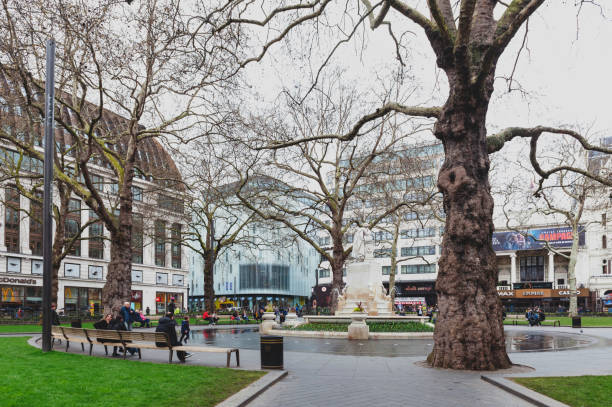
[(48, 195)]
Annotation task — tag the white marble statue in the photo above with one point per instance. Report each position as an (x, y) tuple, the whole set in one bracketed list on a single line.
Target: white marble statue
[(359, 244)]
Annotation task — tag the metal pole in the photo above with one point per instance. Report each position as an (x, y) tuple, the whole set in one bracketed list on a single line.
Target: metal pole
[(48, 195)]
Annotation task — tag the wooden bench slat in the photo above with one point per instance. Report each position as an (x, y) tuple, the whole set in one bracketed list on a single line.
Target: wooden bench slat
[(204, 349)]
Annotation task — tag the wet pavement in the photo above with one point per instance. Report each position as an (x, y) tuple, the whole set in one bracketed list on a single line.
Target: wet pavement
[(516, 341)]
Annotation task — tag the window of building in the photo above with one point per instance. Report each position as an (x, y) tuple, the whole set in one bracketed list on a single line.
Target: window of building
[(175, 245), (82, 300), (170, 203), (73, 225), (137, 193), (98, 182), (95, 272), (386, 270), (72, 270), (36, 226), (532, 268), (162, 278), (418, 251), (348, 238), (382, 235), (13, 265), (137, 276), (561, 281), (96, 237), (418, 268), (37, 267), (137, 238), (323, 273), (604, 242), (264, 276), (178, 279), (421, 232), (603, 219), (160, 244), (11, 220)]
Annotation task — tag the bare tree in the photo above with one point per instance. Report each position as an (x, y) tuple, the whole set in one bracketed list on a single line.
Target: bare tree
[(136, 60), (316, 180), (218, 219)]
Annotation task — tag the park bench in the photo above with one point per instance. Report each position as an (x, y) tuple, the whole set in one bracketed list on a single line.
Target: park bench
[(132, 339), (515, 318)]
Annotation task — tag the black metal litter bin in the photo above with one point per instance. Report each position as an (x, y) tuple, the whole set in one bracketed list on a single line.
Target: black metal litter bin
[(271, 352), (576, 322), (76, 323)]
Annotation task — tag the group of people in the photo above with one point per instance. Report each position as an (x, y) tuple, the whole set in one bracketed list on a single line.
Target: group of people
[(535, 316), (166, 324)]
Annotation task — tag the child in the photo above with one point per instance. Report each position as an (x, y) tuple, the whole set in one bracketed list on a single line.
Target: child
[(184, 329)]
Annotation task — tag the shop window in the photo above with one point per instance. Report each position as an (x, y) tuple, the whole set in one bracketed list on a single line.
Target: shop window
[(95, 272), (36, 226), (160, 243), (13, 265), (11, 296), (11, 220), (72, 270), (137, 300), (73, 226)]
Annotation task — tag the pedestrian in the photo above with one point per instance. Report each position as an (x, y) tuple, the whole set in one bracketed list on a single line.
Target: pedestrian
[(167, 324), (54, 317), (127, 313), (185, 329), (118, 324), (171, 306), (148, 311)]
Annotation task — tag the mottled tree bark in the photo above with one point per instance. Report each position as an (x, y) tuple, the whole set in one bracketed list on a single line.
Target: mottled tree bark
[(469, 332), (118, 286), (337, 265), (209, 286)]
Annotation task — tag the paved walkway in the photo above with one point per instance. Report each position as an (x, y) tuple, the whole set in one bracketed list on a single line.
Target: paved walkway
[(342, 380)]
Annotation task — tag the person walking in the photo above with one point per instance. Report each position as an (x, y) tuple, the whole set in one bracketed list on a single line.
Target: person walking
[(148, 311), (171, 306), (126, 312), (185, 330)]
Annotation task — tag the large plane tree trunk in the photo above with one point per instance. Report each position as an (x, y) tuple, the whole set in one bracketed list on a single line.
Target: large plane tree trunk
[(209, 283), (469, 333)]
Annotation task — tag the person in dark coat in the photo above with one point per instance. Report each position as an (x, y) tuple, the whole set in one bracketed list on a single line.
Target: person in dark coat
[(54, 317), (171, 306), (167, 324), (118, 324), (128, 315)]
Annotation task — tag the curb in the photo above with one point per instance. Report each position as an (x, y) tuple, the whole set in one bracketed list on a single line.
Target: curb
[(249, 393), (344, 335), (526, 394)]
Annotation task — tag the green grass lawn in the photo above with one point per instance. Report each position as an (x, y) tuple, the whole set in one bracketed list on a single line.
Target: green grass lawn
[(579, 391), (567, 321), (374, 327), (33, 378)]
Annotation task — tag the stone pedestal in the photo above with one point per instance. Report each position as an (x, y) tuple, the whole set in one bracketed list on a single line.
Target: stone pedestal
[(268, 323), (291, 319), (364, 285), (358, 329)]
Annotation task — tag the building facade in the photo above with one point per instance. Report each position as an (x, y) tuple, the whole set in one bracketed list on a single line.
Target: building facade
[(528, 273), (159, 263)]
